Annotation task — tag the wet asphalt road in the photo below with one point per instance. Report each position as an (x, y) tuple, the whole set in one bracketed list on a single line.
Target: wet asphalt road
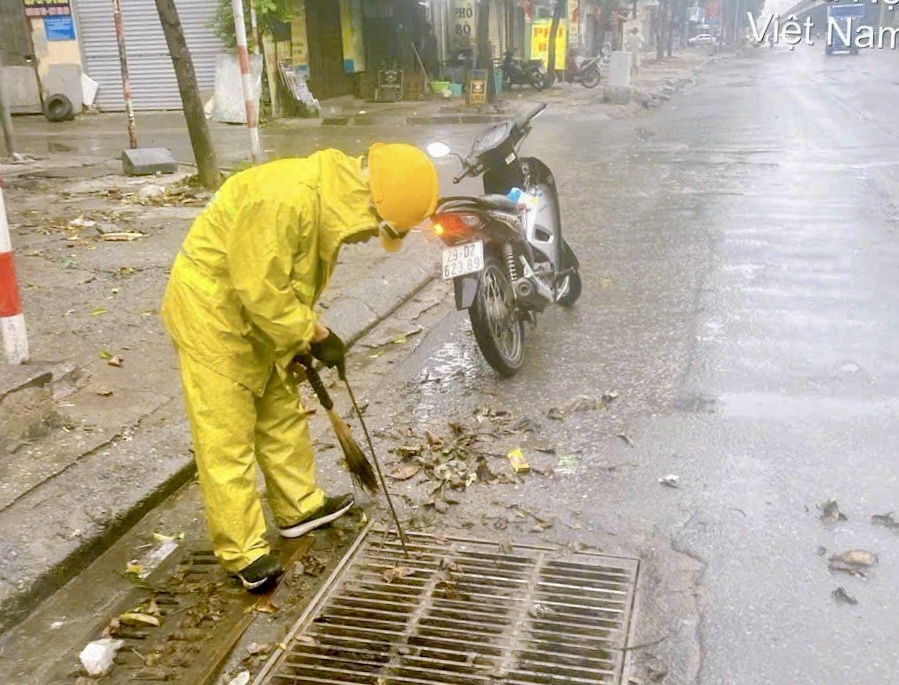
[(739, 254)]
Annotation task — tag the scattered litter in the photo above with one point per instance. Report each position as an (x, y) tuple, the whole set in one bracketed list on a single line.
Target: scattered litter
[(840, 596), (670, 480), (97, 656), (151, 192), (555, 414), (392, 574), (608, 398), (104, 393), (255, 649), (265, 605), (160, 537), (133, 618), (830, 512), (115, 361), (241, 678), (134, 567), (405, 472), (56, 625), (853, 562), (541, 611), (885, 520), (123, 236), (516, 458), (626, 438), (569, 464), (96, 311), (81, 222), (582, 403)]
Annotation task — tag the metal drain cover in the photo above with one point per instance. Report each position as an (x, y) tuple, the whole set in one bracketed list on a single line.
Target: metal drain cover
[(461, 611)]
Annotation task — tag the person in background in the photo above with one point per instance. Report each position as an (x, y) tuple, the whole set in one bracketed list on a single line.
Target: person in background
[(634, 46)]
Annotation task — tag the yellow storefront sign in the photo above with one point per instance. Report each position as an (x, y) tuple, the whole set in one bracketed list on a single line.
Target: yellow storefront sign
[(540, 29)]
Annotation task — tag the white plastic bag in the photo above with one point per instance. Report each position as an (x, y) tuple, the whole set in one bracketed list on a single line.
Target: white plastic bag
[(98, 655)]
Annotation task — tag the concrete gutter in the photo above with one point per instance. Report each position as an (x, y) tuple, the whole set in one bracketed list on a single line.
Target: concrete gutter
[(56, 530)]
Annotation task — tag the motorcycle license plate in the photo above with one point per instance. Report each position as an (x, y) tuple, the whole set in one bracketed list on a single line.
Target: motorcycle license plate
[(463, 259)]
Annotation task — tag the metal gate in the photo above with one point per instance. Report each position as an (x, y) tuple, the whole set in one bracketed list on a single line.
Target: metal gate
[(327, 78), (153, 81)]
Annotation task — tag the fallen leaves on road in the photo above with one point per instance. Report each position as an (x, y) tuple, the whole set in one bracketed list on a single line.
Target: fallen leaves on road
[(392, 574), (853, 561), (840, 596), (885, 520), (133, 618), (830, 512), (405, 472)]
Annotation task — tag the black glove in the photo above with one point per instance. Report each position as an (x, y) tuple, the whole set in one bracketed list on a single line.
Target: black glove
[(331, 352)]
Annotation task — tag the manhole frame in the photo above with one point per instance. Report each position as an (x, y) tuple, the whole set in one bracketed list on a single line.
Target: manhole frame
[(335, 580)]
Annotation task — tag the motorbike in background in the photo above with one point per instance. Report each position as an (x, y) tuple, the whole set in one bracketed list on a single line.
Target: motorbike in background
[(523, 72), (504, 250), (583, 70)]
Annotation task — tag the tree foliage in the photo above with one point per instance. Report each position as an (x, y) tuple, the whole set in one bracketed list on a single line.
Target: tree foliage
[(269, 13)]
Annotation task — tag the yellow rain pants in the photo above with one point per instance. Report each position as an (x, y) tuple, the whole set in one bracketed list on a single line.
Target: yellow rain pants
[(232, 431), (239, 307)]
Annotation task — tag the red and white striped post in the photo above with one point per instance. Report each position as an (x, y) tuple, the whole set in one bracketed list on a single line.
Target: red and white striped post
[(240, 31), (12, 321), (123, 62)]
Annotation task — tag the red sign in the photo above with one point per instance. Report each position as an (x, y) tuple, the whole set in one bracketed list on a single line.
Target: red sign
[(46, 8)]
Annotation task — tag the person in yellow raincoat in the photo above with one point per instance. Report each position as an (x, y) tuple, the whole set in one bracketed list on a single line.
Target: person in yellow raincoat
[(238, 307)]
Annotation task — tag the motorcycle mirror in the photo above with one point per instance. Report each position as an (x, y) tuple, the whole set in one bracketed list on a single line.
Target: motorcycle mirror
[(438, 150)]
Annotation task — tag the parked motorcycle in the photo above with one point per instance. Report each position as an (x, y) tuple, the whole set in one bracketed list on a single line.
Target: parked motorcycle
[(584, 70), (523, 72), (504, 250)]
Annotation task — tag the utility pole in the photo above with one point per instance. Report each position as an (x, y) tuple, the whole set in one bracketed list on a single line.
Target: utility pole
[(9, 137), (198, 129), (240, 31), (123, 64)]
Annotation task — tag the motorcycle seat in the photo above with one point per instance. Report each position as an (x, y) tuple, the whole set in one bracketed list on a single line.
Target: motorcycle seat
[(498, 202)]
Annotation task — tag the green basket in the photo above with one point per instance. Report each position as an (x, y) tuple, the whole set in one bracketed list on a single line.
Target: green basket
[(440, 86)]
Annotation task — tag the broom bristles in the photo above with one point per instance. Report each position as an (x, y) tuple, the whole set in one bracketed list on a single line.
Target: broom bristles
[(357, 463)]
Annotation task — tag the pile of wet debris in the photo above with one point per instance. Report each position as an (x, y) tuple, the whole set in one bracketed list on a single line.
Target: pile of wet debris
[(494, 448)]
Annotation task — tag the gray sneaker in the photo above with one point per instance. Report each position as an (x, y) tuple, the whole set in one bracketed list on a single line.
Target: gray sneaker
[(333, 508)]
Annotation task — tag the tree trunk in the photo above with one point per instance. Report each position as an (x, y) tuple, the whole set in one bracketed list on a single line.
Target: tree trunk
[(9, 138), (485, 57), (660, 29), (671, 10), (200, 140), (553, 31)]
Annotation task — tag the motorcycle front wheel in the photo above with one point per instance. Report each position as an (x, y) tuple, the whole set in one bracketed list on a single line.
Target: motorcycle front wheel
[(496, 325), (592, 78), (538, 80)]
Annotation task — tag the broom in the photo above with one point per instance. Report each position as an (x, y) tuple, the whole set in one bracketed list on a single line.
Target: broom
[(357, 463)]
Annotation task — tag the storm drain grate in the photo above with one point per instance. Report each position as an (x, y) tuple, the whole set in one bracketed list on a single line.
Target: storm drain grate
[(462, 611)]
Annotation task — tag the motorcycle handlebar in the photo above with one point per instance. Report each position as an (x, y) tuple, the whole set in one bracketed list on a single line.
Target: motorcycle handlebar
[(534, 112)]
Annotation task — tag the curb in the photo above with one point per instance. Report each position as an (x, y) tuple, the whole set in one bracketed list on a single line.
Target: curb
[(112, 487)]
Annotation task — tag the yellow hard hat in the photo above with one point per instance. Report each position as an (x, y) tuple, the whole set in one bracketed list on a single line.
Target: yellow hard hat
[(403, 183)]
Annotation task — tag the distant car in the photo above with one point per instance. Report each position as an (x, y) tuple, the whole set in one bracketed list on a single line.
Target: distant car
[(701, 39)]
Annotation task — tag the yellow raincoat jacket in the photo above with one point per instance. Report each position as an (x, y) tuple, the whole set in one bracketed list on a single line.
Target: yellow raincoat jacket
[(243, 285), (238, 306)]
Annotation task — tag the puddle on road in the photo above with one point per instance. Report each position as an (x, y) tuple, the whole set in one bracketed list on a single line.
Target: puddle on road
[(454, 363)]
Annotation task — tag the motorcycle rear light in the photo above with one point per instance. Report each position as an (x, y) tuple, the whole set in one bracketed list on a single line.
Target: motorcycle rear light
[(457, 223)]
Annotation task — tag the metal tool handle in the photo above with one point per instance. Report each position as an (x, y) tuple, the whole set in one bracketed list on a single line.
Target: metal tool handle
[(316, 382)]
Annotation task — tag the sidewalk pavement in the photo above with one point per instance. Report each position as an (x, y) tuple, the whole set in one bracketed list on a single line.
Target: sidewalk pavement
[(93, 434)]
